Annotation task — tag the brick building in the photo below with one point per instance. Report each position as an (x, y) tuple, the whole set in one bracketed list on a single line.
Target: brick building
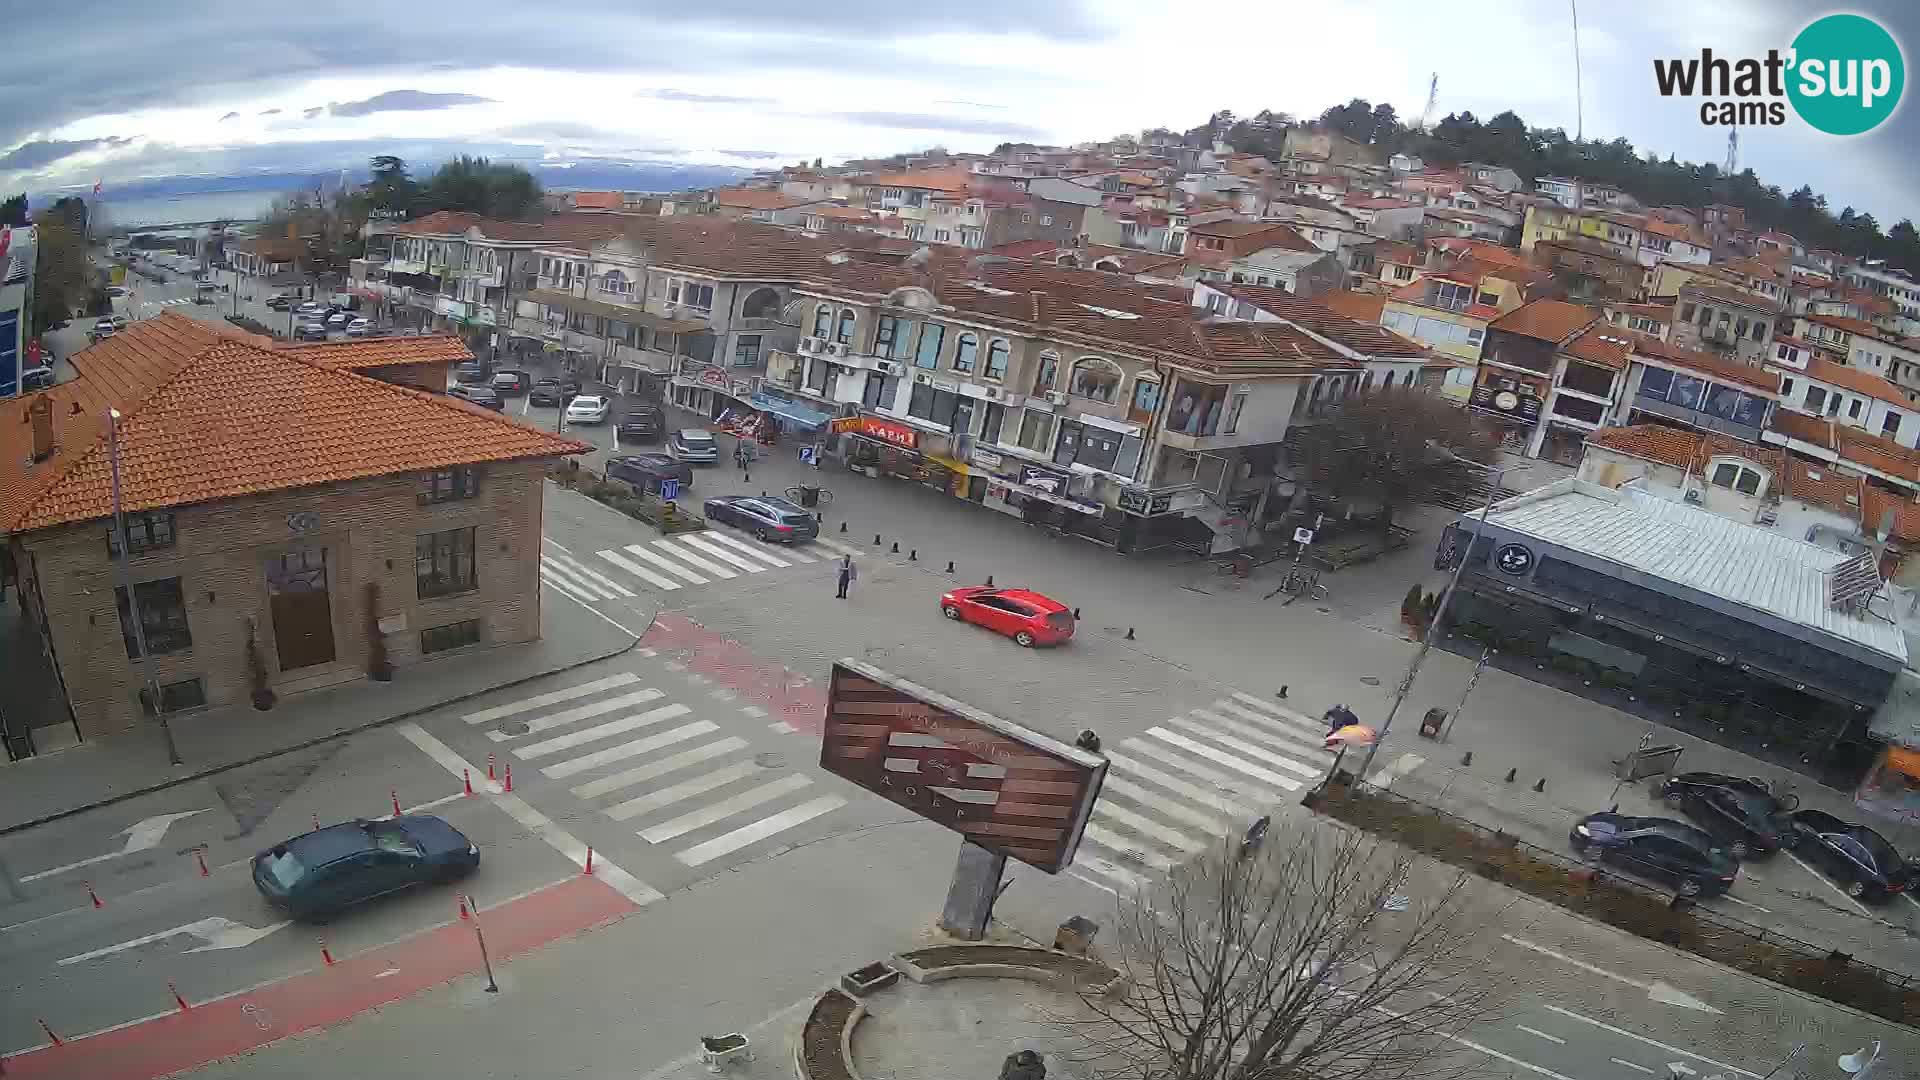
[(272, 495)]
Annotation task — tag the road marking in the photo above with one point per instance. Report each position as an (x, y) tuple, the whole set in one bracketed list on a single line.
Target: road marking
[(667, 796), (1112, 842), (587, 762), (551, 569), (217, 932), (1293, 742), (605, 583), (1541, 1034), (665, 765), (690, 557), (639, 571), (1120, 785), (571, 592), (1281, 711), (1631, 1065), (1211, 799), (1087, 860), (656, 559), (1278, 760), (581, 712), (601, 731), (534, 821), (782, 727), (725, 808), (719, 552), (753, 550), (141, 836), (1265, 776), (1745, 903), (551, 698), (1238, 787), (1571, 1015), (1656, 990), (604, 617), (759, 830), (1312, 732), (1146, 826), (1864, 910)]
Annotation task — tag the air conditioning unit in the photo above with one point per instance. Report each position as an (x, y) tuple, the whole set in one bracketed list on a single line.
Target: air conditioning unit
[(891, 367), (993, 392), (809, 345), (922, 377), (1056, 397), (838, 349)]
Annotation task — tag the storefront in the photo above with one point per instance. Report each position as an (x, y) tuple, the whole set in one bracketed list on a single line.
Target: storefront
[(708, 390)]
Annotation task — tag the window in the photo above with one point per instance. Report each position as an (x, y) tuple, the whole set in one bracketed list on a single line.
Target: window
[(1048, 373), (1816, 397), (147, 531), (695, 296), (1036, 429), (965, 351), (1728, 474), (928, 354), (1234, 407), (176, 697), (615, 283), (1450, 296), (1786, 387), (1853, 409), (886, 336), (1402, 272), (746, 351), (1095, 379), (163, 618), (443, 563), (448, 485), (997, 354), (1146, 394), (942, 236), (1890, 424), (843, 333), (933, 406), (1046, 219), (1488, 299), (450, 636), (1740, 328), (822, 320)]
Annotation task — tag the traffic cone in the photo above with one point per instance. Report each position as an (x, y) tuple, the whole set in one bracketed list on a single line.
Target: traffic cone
[(316, 822), (325, 953), (949, 566), (589, 867), (896, 547), (464, 915), (466, 781), (93, 896), (509, 777)]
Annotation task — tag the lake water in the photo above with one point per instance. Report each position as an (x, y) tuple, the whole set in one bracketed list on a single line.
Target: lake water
[(176, 209)]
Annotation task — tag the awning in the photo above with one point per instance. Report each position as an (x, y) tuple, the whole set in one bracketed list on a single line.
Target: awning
[(1046, 496), (791, 411), (616, 312)]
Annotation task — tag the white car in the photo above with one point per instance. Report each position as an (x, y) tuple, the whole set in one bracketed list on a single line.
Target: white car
[(339, 319), (587, 410), (310, 309), (358, 328)]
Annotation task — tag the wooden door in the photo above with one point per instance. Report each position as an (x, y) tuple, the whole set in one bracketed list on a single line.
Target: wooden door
[(302, 615)]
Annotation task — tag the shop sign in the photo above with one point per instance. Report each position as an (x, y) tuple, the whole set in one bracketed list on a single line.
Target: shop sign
[(948, 385), (1513, 559), (843, 424), (889, 432), (1047, 480), (1145, 503), (714, 377), (986, 459)]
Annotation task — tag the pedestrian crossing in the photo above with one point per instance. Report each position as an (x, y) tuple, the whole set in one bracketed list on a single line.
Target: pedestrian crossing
[(679, 781), (672, 563), (1192, 781)]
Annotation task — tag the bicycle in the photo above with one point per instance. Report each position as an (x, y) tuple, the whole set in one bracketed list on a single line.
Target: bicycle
[(1298, 583), (794, 494)]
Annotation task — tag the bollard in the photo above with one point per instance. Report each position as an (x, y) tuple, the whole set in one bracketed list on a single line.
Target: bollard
[(876, 539), (93, 896), (201, 854), (989, 581), (913, 554), (896, 547), (489, 766), (1511, 773), (1466, 759), (55, 1039), (1129, 633), (949, 566), (588, 870), (395, 794), (177, 999), (326, 955), (1076, 614), (466, 781), (1282, 695), (509, 785), (486, 961), (1541, 784), (843, 528), (465, 916), (819, 518)]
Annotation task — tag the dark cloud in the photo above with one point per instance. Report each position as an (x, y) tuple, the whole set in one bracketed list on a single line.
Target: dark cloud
[(313, 112), (43, 152), (957, 125), (702, 99), (405, 101), (269, 112), (228, 117)]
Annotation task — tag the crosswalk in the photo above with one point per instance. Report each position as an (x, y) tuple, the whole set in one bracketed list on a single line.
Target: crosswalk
[(680, 781), (1192, 781), (672, 563)]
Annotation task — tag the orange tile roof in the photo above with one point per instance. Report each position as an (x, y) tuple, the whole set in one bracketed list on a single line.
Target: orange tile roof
[(1813, 430), (1546, 320), (1906, 512), (1876, 452), (208, 416), (1362, 336), (1821, 484), (1655, 442), (1856, 380), (357, 354), (1359, 306), (1602, 344), (598, 200), (758, 199), (954, 180)]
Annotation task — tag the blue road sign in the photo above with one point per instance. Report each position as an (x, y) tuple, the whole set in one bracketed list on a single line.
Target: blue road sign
[(669, 489)]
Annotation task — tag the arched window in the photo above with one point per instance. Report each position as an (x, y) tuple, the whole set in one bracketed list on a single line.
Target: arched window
[(1146, 394), (1048, 373), (762, 304), (616, 283), (844, 334), (1095, 379), (998, 354), (822, 320), (965, 351)]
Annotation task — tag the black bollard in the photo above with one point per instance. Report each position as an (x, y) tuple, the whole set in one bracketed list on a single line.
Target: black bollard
[(896, 547), (949, 566), (819, 518), (913, 555), (1076, 614), (1282, 695), (876, 538), (1466, 759), (1129, 633), (843, 528), (1511, 773), (989, 581), (1541, 784)]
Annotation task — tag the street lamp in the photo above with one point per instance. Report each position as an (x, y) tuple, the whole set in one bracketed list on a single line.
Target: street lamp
[(1439, 611), (126, 584)]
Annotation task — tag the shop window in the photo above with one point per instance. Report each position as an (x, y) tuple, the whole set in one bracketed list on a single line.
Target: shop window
[(449, 485), (1036, 430), (933, 406), (997, 355), (175, 697), (163, 618), (965, 352), (1048, 373), (1066, 444), (1095, 379), (451, 636), (1099, 448), (746, 351), (877, 393), (151, 530), (990, 425), (817, 372), (823, 320), (927, 356), (443, 563), (843, 333)]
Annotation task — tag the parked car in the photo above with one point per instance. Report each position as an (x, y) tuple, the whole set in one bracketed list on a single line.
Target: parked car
[(694, 445), (317, 875), (509, 381), (482, 396), (640, 423), (116, 291), (310, 310), (36, 378), (770, 518), (312, 331), (552, 392), (102, 329), (1027, 617), (120, 322), (587, 409), (339, 319), (1866, 866), (1742, 813), (646, 471), (471, 372), (359, 328), (1671, 852), (279, 303)]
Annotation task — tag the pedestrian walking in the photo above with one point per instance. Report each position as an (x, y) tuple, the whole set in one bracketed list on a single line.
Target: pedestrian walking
[(845, 576)]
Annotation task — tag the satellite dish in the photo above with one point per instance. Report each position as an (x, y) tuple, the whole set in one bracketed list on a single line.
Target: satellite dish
[(1857, 1061)]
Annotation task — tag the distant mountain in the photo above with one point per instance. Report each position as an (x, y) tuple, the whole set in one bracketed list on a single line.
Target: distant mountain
[(605, 174)]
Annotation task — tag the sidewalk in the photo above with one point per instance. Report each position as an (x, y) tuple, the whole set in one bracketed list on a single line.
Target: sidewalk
[(41, 789)]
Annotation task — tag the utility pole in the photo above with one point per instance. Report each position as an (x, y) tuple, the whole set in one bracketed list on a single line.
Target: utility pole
[(152, 689)]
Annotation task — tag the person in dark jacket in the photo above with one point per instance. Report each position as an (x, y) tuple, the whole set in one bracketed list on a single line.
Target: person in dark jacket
[(845, 575)]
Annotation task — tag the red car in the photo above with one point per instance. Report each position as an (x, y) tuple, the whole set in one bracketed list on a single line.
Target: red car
[(1021, 614)]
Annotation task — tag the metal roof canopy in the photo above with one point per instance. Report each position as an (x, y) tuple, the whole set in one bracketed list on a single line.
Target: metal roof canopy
[(1739, 570)]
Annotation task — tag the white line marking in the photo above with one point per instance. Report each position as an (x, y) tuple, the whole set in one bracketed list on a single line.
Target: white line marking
[(586, 762), (551, 698), (592, 575), (1541, 1034), (1315, 733), (1119, 845), (782, 727), (1277, 760), (601, 731), (1656, 990), (639, 571), (691, 557), (759, 830), (725, 808), (581, 712), (1088, 860), (1631, 1065), (1245, 793), (686, 789), (605, 618), (1570, 1014), (1119, 785), (1291, 742), (1222, 757), (570, 591), (753, 550), (753, 710), (1864, 910), (1143, 825), (665, 765), (433, 804), (534, 821), (1745, 903), (835, 545), (1211, 799), (552, 568), (718, 551), (141, 835), (1280, 711), (657, 559)]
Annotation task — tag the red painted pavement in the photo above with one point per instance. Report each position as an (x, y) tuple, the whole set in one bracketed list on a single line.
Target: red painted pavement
[(787, 696), (247, 1021)]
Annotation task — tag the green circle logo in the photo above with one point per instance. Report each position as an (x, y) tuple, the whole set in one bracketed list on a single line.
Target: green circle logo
[(1847, 75)]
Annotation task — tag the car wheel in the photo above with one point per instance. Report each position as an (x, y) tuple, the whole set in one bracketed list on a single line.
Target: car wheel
[(1673, 799), (1856, 889), (1024, 639), (761, 535), (1689, 887), (950, 612)]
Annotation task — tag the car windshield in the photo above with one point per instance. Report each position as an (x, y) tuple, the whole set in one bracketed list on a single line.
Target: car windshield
[(283, 868), (1883, 854)]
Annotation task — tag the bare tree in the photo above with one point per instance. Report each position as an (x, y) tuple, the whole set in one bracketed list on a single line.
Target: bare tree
[(1393, 447), (1319, 957)]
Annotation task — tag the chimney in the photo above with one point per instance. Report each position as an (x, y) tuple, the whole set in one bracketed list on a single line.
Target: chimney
[(40, 416)]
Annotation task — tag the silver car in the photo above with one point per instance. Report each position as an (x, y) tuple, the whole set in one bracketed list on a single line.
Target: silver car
[(694, 445)]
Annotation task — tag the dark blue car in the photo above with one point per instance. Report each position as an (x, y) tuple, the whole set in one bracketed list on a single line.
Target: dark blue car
[(317, 875), (1671, 852)]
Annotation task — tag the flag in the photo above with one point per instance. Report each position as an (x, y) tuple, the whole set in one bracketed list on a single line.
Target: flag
[(96, 187)]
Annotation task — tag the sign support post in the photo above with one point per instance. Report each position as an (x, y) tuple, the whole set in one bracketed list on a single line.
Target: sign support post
[(970, 896)]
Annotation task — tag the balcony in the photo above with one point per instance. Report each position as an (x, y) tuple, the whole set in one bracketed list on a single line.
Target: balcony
[(1647, 403)]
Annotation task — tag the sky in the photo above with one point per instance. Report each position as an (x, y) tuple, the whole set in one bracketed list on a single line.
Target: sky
[(123, 89)]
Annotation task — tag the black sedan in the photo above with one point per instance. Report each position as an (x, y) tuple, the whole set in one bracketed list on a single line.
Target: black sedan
[(1743, 813), (641, 424), (1671, 852), (770, 518), (553, 392), (1866, 866), (319, 874)]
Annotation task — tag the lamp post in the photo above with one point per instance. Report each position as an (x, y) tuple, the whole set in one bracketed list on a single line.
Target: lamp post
[(152, 687), (1439, 612)]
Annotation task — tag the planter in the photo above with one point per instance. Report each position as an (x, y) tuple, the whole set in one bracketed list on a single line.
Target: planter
[(875, 976), (264, 699)]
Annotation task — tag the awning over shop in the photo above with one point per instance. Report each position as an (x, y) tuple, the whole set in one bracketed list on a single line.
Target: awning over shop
[(951, 465), (1047, 496), (790, 411), (616, 312)]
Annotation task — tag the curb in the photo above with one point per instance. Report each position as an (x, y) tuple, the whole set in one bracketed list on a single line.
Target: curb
[(308, 744)]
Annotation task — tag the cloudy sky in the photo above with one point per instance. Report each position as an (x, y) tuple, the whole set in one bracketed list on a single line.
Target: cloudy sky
[(119, 89)]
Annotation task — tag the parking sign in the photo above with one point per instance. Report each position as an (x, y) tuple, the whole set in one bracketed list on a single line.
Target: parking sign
[(669, 489)]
